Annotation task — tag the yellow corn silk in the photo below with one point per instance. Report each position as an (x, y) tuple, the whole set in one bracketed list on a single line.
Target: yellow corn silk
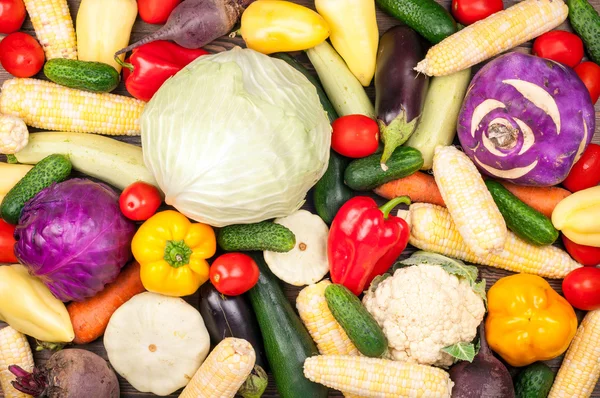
[(578, 217)]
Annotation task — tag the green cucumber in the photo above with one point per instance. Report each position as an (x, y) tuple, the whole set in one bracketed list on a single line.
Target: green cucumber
[(535, 381), (51, 169), (367, 173), (526, 222), (428, 18), (586, 23), (357, 322), (82, 75), (330, 192), (286, 340), (261, 236)]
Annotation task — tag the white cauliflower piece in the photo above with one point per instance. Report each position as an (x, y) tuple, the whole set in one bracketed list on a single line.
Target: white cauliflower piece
[(14, 135), (423, 309)]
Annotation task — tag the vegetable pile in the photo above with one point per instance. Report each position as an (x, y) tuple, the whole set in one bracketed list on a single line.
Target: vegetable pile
[(309, 203)]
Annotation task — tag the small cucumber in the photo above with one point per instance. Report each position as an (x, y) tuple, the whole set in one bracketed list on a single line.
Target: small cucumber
[(82, 75), (51, 169), (586, 23), (535, 381), (427, 17), (366, 173), (353, 317), (261, 236), (526, 222)]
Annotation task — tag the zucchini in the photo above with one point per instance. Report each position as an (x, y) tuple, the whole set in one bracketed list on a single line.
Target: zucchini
[(287, 343), (437, 125), (114, 162), (51, 169), (265, 235), (330, 192), (535, 381), (357, 322), (526, 222), (82, 75), (427, 17), (367, 173), (343, 88), (586, 23)]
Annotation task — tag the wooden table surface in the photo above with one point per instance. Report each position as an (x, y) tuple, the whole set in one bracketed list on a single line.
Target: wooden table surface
[(140, 29)]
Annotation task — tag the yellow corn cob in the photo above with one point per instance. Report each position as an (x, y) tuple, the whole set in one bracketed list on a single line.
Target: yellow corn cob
[(432, 229), (580, 370), (375, 377), (14, 350), (49, 106), (312, 307), (491, 36), (223, 372), (53, 26), (469, 202)]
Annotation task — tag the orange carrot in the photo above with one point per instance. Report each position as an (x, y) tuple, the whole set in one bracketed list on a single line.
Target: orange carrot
[(543, 199), (90, 317)]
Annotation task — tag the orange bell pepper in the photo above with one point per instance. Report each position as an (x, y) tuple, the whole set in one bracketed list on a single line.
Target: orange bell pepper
[(527, 320)]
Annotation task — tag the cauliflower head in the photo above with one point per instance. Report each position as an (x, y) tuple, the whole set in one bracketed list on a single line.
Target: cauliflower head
[(423, 309)]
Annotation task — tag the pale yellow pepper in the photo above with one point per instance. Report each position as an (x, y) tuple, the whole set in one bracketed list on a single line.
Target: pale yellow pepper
[(271, 26), (578, 217), (354, 34), (103, 28), (11, 174), (29, 307)]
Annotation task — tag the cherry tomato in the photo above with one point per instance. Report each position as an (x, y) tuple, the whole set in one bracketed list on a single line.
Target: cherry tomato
[(12, 15), (22, 55), (234, 273), (581, 288), (355, 136), (559, 46), (7, 243), (584, 255), (586, 171), (470, 11), (589, 73), (139, 201), (156, 11)]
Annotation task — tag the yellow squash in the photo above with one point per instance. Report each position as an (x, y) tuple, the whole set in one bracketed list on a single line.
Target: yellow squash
[(527, 320), (29, 307), (11, 174), (354, 34), (271, 26), (103, 28), (578, 217)]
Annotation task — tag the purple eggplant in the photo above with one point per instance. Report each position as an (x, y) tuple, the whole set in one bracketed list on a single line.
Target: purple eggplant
[(400, 90)]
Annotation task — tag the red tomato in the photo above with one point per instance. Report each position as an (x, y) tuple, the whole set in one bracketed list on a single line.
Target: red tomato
[(470, 11), (139, 201), (589, 73), (12, 15), (581, 288), (234, 273), (355, 136), (22, 55), (7, 243), (559, 46), (586, 171), (156, 11), (584, 255)]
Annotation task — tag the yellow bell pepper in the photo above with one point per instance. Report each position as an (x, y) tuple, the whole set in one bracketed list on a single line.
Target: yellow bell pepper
[(578, 217), (527, 320), (29, 307), (270, 26), (172, 253), (103, 27), (354, 34)]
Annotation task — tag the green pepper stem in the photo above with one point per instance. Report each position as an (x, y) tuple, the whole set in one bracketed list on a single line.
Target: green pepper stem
[(123, 63), (387, 208), (177, 253)]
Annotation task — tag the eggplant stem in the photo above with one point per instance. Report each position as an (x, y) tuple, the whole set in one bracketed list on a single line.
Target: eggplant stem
[(395, 134)]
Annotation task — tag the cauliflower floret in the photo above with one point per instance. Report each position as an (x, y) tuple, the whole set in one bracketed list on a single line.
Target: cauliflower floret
[(13, 134), (423, 309)]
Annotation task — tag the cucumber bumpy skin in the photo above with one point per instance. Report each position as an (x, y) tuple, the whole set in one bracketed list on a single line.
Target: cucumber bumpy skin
[(82, 75), (586, 23), (261, 236)]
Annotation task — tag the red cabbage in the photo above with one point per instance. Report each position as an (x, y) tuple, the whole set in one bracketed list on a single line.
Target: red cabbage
[(73, 236)]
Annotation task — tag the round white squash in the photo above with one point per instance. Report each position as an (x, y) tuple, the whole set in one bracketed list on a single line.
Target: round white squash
[(156, 342), (307, 262)]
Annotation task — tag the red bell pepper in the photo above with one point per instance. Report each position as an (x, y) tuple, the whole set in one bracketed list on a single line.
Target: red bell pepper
[(150, 65), (588, 256), (364, 241), (586, 172), (7, 243)]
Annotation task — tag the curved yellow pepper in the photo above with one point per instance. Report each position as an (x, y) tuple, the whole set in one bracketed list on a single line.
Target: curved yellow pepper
[(578, 217), (527, 320), (172, 253), (270, 26)]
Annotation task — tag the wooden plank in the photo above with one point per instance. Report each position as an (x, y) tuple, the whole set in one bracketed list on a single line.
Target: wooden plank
[(141, 29)]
